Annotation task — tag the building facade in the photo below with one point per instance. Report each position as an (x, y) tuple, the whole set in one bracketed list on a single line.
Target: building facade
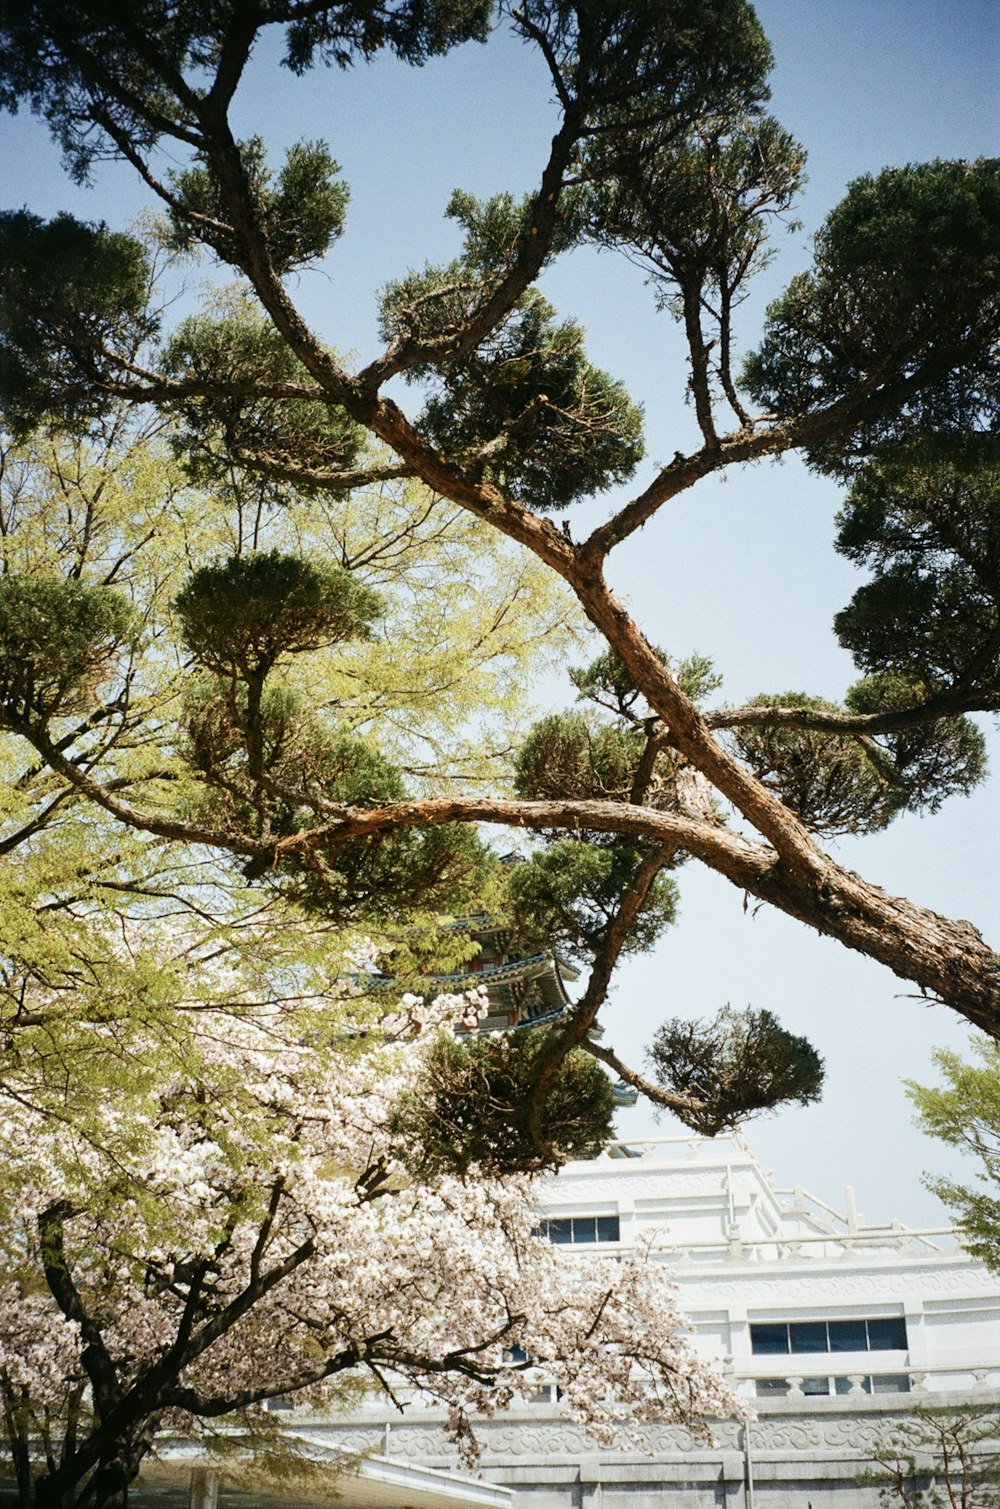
[(835, 1330)]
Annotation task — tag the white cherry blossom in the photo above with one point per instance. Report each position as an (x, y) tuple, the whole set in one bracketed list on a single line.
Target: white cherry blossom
[(251, 1231)]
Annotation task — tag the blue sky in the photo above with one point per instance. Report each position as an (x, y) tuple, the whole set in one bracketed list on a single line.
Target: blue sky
[(742, 570)]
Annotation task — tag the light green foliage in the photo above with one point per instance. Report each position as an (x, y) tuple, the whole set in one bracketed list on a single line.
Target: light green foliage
[(300, 212), (469, 1112), (337, 714), (964, 1112), (113, 507), (73, 292), (79, 1009), (734, 1067), (469, 621)]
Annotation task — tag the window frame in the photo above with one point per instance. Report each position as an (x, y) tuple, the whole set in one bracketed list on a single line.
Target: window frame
[(837, 1329), (569, 1231)]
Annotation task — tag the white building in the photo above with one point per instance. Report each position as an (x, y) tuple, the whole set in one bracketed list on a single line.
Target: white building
[(795, 1298), (837, 1330)]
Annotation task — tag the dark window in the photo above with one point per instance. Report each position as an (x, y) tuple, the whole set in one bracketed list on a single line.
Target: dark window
[(848, 1336), (815, 1385), (882, 1335), (887, 1335), (768, 1339), (581, 1229), (808, 1336)]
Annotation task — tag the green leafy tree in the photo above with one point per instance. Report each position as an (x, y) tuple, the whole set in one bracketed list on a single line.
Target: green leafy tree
[(231, 355), (59, 641), (119, 944), (73, 293), (295, 711), (734, 1067), (239, 618), (901, 297), (964, 1112), (568, 894), (469, 1114)]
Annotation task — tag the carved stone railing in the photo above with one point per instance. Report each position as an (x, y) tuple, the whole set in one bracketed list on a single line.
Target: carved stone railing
[(929, 1385), (886, 1241)]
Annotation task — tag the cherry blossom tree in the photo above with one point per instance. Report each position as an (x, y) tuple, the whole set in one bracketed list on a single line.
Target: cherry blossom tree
[(251, 1230)]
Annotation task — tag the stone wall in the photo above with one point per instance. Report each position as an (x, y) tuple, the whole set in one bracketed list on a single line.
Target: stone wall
[(796, 1455)]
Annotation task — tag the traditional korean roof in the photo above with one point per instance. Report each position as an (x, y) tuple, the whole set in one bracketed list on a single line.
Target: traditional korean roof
[(524, 990)]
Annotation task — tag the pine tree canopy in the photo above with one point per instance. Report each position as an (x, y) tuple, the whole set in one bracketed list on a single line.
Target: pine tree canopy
[(279, 626)]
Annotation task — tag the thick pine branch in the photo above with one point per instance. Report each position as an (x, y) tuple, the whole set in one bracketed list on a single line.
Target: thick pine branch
[(947, 959), (684, 1106)]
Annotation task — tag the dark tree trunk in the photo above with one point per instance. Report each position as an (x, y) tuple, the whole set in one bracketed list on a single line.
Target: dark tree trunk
[(106, 1487)]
